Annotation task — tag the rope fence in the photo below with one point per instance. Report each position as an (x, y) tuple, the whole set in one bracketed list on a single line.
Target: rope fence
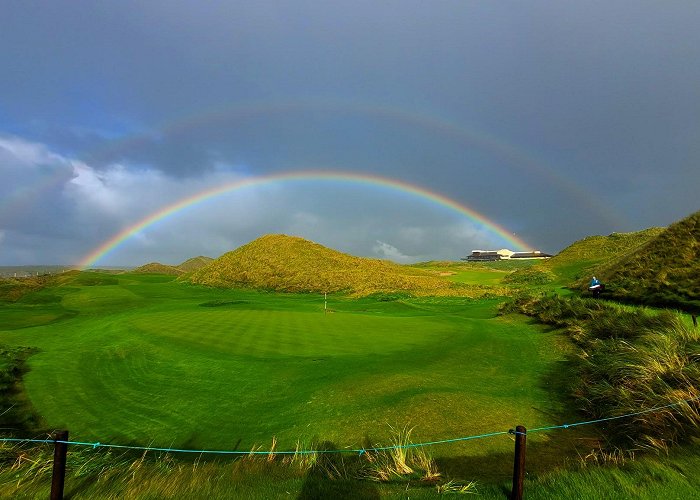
[(61, 443), (360, 451)]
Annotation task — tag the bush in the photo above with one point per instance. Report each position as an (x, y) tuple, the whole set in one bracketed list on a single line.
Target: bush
[(629, 361)]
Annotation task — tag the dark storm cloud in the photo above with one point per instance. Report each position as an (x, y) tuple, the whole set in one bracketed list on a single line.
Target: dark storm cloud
[(554, 119)]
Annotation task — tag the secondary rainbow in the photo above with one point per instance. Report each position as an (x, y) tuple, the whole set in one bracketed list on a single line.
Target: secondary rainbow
[(305, 175), (514, 156)]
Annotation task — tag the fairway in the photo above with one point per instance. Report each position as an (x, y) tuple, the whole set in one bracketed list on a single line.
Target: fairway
[(150, 361)]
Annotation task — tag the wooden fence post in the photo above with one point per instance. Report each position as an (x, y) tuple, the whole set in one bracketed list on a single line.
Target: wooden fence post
[(695, 320), (519, 463), (58, 477)]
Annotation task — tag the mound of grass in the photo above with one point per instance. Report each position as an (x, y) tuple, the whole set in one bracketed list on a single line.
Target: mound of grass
[(194, 263), (291, 264), (13, 289), (663, 272), (629, 360), (576, 260), (158, 268), (223, 303)]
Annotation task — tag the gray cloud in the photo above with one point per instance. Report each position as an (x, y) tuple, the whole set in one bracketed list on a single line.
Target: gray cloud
[(554, 120)]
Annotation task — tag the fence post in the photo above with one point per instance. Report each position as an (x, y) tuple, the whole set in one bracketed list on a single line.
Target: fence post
[(58, 477), (519, 463), (695, 320)]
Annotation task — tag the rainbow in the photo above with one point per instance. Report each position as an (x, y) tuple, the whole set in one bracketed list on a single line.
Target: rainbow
[(515, 157), (305, 175)]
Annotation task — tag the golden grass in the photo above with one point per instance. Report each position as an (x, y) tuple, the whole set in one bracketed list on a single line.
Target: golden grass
[(291, 264)]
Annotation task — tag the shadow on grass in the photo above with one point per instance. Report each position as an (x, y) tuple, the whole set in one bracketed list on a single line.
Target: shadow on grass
[(332, 477), (546, 450)]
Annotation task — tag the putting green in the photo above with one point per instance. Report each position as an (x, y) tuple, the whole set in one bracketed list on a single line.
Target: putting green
[(267, 334), (147, 362)]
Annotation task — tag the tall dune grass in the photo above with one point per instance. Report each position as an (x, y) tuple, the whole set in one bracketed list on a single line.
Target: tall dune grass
[(629, 360)]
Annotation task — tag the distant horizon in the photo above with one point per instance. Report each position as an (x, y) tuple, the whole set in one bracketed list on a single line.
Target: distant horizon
[(180, 261)]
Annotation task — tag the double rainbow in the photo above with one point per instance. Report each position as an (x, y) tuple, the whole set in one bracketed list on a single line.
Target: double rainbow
[(115, 241)]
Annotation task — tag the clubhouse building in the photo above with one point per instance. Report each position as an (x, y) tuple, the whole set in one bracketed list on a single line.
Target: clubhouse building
[(503, 254)]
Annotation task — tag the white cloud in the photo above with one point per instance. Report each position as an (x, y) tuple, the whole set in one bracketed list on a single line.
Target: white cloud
[(387, 251), (17, 153)]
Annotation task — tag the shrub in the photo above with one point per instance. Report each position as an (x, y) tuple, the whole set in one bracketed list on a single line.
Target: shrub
[(629, 361)]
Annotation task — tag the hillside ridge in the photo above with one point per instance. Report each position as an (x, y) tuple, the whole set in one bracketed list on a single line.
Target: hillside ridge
[(293, 264), (664, 271)]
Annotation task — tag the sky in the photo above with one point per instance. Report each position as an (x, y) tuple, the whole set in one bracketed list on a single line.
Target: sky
[(547, 121)]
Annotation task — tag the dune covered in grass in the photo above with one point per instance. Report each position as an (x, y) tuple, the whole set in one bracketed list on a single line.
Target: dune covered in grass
[(284, 263)]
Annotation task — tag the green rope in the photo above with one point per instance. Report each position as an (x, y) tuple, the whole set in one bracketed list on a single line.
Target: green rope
[(359, 451)]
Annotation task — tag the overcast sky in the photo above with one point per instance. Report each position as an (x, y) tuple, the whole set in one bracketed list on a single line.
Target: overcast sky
[(553, 119)]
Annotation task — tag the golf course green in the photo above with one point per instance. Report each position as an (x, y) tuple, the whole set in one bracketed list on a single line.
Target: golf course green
[(147, 360)]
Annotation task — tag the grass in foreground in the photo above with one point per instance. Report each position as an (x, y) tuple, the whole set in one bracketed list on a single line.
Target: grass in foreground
[(26, 473)]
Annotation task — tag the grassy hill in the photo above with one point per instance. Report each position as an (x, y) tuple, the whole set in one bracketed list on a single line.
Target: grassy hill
[(292, 264), (662, 272), (158, 268), (577, 260), (13, 289), (194, 263), (595, 250)]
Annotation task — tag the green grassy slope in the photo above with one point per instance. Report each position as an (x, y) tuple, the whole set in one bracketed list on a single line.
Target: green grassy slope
[(158, 268), (474, 273), (292, 264), (144, 359), (153, 361), (194, 263), (578, 259), (665, 271)]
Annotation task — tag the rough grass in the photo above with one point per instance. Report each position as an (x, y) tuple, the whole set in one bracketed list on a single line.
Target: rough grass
[(629, 360), (26, 473), (291, 264), (17, 415), (578, 259)]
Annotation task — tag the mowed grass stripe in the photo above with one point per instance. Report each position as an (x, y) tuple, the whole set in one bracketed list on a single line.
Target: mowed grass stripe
[(289, 333)]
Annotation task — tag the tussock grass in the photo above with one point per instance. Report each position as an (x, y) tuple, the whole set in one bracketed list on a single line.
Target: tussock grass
[(26, 473), (452, 486), (603, 456), (629, 361), (402, 461)]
